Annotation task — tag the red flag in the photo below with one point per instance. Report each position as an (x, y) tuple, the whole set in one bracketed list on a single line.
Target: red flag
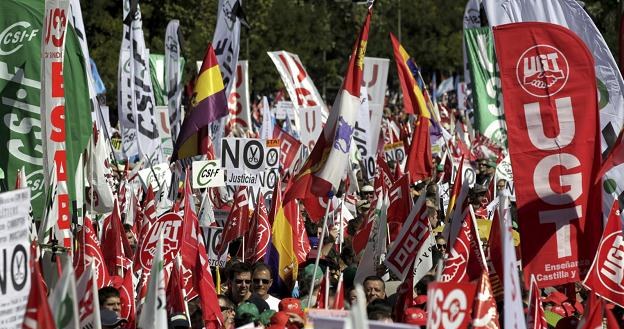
[(549, 82), (149, 206), (238, 220), (485, 315), (400, 200), (495, 243), (126, 294), (605, 274), (535, 316), (457, 185), (325, 167), (175, 295), (339, 298), (258, 234), (113, 243), (323, 294), (592, 318), (195, 264), (405, 295), (38, 314), (419, 164), (89, 252), (289, 148), (301, 242), (465, 261)]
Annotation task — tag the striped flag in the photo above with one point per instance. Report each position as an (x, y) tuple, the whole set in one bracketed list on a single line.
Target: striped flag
[(208, 103), (413, 98)]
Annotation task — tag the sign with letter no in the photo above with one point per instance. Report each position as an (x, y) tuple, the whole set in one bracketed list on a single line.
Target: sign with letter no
[(396, 153), (246, 159), (207, 174), (212, 237)]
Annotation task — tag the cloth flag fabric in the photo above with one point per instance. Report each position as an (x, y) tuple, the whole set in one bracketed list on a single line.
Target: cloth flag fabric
[(413, 99), (419, 164), (176, 302), (466, 261), (113, 244), (89, 253), (258, 234), (208, 104), (547, 131), (100, 195), (605, 274), (38, 313), (63, 300), (327, 163), (88, 302), (281, 255), (154, 310), (485, 314), (339, 303), (173, 76), (535, 314), (237, 222)]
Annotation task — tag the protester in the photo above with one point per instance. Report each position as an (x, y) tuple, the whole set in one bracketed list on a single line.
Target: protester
[(239, 283), (375, 289), (110, 319), (110, 299), (262, 279)]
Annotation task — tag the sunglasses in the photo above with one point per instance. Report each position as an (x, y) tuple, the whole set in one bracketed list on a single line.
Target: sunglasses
[(240, 281), (441, 246), (261, 281)]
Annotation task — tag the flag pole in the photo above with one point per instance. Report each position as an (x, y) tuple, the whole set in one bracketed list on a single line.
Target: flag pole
[(320, 246)]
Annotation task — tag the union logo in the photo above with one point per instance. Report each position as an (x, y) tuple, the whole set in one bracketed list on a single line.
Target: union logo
[(542, 70), (610, 269)]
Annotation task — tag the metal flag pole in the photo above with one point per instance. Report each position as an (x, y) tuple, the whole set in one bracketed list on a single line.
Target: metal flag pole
[(320, 246)]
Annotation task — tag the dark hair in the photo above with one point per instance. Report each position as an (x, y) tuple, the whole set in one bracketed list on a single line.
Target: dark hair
[(379, 310), (127, 227), (107, 292), (260, 266), (238, 268), (374, 278)]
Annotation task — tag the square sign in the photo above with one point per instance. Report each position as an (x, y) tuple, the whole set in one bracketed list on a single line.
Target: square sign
[(247, 159), (207, 174)]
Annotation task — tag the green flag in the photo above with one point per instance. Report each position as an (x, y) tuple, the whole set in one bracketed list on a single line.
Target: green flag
[(486, 87), (20, 75)]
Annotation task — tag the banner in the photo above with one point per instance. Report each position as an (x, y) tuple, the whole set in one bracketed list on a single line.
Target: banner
[(173, 77), (226, 40), (243, 158), (212, 237), (472, 19), (487, 95), (136, 97), (238, 99), (449, 305), (15, 242), (311, 125), (157, 75), (207, 174), (298, 83), (375, 78), (552, 114), (53, 116), (164, 130), (157, 175), (570, 14), (169, 227)]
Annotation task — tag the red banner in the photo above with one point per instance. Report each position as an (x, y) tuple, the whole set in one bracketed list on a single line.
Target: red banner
[(549, 84), (449, 305)]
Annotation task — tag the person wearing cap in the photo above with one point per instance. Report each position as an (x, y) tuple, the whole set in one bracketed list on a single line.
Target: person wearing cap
[(262, 279), (374, 288), (239, 283), (292, 307), (367, 193), (304, 284), (110, 319), (416, 316), (246, 313)]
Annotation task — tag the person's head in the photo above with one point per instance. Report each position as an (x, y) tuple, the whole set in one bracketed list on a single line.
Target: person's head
[(246, 313), (178, 321), (130, 236), (374, 288), (262, 279), (110, 319), (441, 244), (240, 282), (227, 309), (478, 195), (351, 296), (367, 193), (501, 184), (379, 310), (110, 299)]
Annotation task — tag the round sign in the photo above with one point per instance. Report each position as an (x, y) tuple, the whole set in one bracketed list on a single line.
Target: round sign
[(169, 226)]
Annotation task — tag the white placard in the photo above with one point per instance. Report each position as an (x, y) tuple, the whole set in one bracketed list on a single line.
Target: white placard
[(311, 125), (14, 241), (375, 78), (212, 237), (207, 174), (163, 174)]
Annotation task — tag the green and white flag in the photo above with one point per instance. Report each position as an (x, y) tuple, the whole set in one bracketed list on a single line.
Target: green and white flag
[(486, 88), (154, 311), (21, 29), (63, 300)]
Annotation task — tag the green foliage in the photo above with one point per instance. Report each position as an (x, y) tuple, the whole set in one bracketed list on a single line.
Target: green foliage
[(321, 32)]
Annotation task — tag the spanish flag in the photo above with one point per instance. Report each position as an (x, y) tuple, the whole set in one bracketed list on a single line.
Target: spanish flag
[(413, 98), (208, 104)]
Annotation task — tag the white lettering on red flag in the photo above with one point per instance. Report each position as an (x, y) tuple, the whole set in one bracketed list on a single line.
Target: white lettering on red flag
[(551, 110)]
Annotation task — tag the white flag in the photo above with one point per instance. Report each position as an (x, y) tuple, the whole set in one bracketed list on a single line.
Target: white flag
[(98, 173), (154, 311), (173, 76), (267, 120), (514, 309), (376, 246), (88, 302), (63, 301)]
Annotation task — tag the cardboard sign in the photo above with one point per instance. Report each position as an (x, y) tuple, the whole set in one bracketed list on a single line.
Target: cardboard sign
[(396, 153), (282, 108), (212, 237), (449, 305), (159, 173), (207, 174), (15, 243), (169, 226)]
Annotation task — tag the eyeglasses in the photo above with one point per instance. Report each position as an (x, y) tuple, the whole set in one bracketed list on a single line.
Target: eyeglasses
[(440, 246), (240, 281), (261, 281)]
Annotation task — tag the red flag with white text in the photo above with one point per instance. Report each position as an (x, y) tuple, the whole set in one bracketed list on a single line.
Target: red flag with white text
[(549, 82), (237, 222)]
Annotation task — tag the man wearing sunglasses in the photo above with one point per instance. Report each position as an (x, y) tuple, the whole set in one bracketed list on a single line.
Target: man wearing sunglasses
[(262, 279), (239, 281)]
